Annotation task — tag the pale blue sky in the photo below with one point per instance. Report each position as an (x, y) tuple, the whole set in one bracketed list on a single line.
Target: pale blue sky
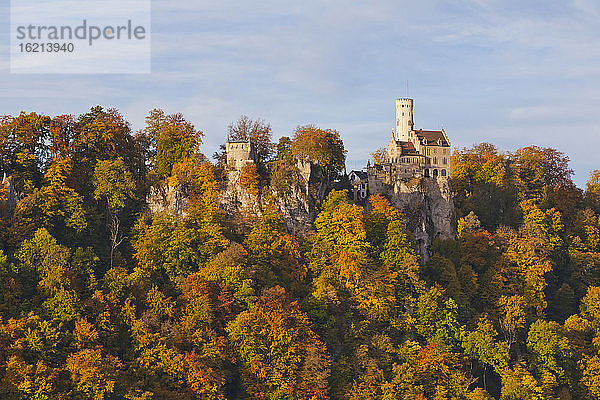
[(513, 73)]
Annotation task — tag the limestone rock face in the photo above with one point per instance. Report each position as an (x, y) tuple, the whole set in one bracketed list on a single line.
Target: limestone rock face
[(8, 197), (168, 198), (235, 197), (429, 208), (298, 203), (427, 203), (298, 210)]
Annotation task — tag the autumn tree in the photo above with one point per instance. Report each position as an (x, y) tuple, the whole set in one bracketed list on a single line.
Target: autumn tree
[(543, 175), (592, 191), (338, 259), (250, 179), (379, 156), (321, 146), (482, 183), (23, 148), (171, 139), (100, 134), (54, 206), (114, 184), (94, 374), (258, 132), (164, 243), (279, 353)]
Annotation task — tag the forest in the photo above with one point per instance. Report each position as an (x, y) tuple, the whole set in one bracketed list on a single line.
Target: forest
[(100, 298)]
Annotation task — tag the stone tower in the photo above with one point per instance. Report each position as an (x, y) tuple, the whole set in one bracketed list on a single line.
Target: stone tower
[(239, 153), (404, 119)]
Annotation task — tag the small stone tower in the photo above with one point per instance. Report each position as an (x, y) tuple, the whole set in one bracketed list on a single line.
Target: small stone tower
[(404, 119), (239, 153)]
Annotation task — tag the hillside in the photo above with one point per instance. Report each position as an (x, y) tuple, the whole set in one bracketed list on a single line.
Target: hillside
[(132, 266)]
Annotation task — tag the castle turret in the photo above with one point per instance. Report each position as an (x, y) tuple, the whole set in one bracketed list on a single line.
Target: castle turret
[(404, 119), (239, 153)]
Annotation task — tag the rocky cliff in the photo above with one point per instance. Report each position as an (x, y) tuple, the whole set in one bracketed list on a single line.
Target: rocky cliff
[(426, 202), (8, 197), (168, 198), (298, 204), (429, 208), (235, 197)]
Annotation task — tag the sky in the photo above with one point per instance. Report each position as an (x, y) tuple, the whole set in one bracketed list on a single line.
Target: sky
[(513, 73)]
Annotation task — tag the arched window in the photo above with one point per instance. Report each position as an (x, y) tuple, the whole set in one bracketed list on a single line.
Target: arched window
[(427, 173), (443, 172), (435, 173)]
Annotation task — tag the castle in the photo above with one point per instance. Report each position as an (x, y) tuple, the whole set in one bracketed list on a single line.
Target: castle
[(410, 153)]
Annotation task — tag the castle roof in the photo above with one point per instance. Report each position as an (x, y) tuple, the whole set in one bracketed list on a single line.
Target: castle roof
[(359, 174), (238, 141), (408, 149), (432, 137)]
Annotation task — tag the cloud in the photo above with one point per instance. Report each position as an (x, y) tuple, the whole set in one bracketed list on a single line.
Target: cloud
[(506, 71)]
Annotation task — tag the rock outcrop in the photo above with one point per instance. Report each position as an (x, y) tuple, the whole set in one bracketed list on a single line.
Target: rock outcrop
[(426, 202), (298, 204), (429, 208), (167, 198), (8, 197), (235, 197)]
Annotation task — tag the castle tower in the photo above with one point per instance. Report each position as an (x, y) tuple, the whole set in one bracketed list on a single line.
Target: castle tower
[(239, 153), (404, 119)]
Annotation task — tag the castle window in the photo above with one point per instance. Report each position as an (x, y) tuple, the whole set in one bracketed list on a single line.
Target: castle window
[(435, 160), (444, 161)]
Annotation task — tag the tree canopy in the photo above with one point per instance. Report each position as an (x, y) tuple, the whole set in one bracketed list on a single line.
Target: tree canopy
[(103, 297)]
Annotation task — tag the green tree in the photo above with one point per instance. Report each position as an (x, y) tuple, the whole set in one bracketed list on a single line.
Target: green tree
[(171, 140), (481, 344), (113, 183), (550, 350)]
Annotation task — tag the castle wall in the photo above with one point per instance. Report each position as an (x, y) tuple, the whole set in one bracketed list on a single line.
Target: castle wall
[(437, 159)]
